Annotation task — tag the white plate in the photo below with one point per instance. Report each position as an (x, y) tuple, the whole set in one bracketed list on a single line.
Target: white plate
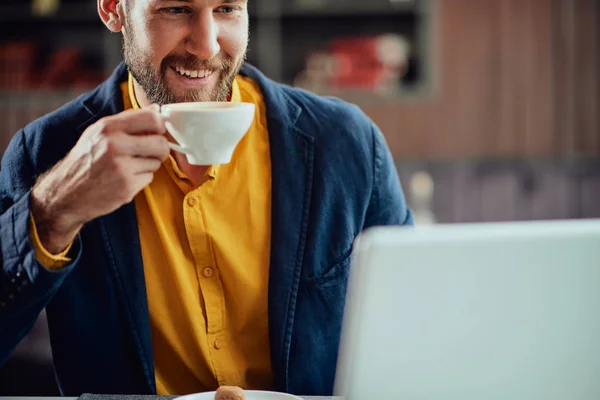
[(250, 395)]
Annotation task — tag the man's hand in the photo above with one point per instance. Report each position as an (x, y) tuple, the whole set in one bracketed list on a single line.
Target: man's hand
[(114, 159)]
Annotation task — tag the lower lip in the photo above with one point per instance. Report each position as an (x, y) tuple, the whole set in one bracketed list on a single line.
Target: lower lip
[(193, 83)]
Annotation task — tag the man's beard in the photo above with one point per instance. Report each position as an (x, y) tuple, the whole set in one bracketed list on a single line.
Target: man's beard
[(155, 84)]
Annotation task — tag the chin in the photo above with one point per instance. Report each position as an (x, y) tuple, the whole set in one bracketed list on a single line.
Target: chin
[(191, 95)]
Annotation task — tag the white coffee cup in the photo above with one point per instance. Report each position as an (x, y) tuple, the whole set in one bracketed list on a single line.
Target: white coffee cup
[(207, 132)]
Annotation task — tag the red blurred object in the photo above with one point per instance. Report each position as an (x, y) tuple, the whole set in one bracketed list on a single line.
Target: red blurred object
[(17, 64), (372, 79), (366, 63), (389, 50), (63, 68), (22, 69)]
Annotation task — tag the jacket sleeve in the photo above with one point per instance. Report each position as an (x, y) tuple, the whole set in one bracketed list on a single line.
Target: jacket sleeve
[(25, 286), (387, 205)]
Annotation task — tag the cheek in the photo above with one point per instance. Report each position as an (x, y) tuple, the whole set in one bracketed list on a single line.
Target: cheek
[(156, 44), (234, 40)]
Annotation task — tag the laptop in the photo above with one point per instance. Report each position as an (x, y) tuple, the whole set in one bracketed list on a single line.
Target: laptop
[(475, 311)]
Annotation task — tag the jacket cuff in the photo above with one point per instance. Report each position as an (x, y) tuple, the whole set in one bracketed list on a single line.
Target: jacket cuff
[(18, 249)]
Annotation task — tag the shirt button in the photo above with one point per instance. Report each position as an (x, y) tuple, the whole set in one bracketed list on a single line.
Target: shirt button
[(208, 272), (218, 344), (191, 201)]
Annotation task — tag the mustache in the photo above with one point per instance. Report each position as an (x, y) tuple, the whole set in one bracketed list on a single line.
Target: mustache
[(192, 63)]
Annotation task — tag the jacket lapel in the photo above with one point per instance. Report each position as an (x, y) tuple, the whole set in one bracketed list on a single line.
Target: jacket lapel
[(292, 156), (292, 153), (120, 239)]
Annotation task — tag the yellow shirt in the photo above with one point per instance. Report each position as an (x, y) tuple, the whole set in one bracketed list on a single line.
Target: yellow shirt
[(206, 254)]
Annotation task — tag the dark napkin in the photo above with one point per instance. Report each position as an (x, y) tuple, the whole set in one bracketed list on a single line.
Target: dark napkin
[(89, 396)]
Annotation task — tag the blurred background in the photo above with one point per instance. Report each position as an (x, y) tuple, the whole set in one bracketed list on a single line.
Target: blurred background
[(490, 107)]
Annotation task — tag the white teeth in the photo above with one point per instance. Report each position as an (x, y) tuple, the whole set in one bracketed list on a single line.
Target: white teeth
[(194, 74)]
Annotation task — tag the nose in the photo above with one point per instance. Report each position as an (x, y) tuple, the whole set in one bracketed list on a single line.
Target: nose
[(203, 39)]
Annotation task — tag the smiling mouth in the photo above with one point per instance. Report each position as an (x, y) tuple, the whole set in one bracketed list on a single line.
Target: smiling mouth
[(194, 74)]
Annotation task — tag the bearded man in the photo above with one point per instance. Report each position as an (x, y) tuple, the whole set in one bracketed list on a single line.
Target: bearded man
[(159, 276)]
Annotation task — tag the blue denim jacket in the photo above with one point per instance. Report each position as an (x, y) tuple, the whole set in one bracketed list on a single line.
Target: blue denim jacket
[(332, 176)]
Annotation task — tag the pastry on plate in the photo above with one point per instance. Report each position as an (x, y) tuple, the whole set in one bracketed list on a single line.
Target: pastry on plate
[(229, 393)]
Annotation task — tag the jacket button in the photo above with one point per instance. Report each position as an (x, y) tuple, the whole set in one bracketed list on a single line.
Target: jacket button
[(2, 304), (18, 275), (11, 296)]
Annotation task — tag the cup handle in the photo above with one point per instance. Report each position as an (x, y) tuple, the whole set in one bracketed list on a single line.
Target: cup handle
[(177, 147)]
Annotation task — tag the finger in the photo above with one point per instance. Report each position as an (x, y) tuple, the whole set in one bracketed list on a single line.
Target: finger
[(135, 166), (144, 165), (144, 121), (153, 146), (144, 179), (138, 181)]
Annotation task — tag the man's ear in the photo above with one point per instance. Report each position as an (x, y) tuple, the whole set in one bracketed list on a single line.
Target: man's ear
[(112, 14)]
